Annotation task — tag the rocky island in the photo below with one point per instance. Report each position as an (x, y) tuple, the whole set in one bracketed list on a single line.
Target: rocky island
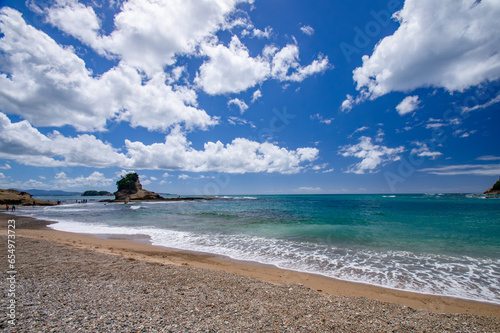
[(130, 190), (495, 189), (20, 198)]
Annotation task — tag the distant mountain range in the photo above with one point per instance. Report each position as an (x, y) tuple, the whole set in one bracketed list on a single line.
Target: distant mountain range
[(36, 192)]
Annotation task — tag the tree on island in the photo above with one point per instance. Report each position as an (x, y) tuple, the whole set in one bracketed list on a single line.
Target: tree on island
[(128, 182), (496, 186)]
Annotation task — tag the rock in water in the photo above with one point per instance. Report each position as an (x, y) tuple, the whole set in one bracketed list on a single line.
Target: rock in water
[(130, 189)]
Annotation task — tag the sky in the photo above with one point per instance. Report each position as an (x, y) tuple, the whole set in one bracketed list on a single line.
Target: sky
[(213, 97)]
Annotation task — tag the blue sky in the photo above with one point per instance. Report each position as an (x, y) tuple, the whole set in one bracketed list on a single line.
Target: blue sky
[(236, 97)]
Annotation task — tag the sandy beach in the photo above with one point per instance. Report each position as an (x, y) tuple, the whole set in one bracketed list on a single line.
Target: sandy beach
[(81, 282)]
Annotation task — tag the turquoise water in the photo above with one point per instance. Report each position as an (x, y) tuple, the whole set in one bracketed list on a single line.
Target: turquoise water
[(437, 244)]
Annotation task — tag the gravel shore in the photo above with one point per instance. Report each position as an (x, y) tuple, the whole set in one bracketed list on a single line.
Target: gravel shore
[(60, 288)]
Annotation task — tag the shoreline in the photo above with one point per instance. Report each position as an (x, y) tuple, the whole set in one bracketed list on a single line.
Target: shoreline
[(139, 248)]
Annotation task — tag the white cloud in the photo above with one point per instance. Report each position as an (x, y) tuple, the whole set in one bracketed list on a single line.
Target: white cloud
[(26, 145), (262, 34), (482, 106), (76, 20), (408, 105), (451, 44), (2, 175), (423, 150), (183, 177), (5, 167), (148, 34), (46, 83), (461, 133), (372, 155), (308, 30), (467, 169), (308, 189), (240, 121), (230, 69), (320, 118), (153, 104), (358, 130), (239, 103), (96, 179), (256, 95), (488, 158), (50, 86), (435, 123), (239, 156), (286, 67)]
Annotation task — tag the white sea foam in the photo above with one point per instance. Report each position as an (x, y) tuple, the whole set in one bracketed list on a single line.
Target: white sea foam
[(433, 274)]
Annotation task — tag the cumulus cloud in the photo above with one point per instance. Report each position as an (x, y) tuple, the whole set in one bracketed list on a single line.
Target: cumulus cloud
[(450, 44), (96, 179), (239, 156), (26, 145), (372, 155), (46, 83), (285, 65), (148, 34), (408, 105), (49, 85), (231, 69)]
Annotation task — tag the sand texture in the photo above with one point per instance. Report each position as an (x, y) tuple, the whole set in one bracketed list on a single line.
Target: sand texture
[(71, 288)]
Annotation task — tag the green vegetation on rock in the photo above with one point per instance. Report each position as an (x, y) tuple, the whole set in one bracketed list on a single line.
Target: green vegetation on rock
[(127, 182), (496, 187)]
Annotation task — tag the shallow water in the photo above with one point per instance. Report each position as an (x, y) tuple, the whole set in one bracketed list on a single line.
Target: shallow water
[(437, 244)]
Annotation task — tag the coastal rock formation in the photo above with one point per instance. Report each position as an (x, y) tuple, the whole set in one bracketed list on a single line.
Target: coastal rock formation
[(130, 189), (495, 189), (18, 198)]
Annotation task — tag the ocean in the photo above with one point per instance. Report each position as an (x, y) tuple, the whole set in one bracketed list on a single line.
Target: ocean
[(435, 244)]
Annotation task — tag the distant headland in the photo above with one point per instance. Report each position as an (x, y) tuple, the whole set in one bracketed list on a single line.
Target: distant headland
[(495, 189), (20, 198)]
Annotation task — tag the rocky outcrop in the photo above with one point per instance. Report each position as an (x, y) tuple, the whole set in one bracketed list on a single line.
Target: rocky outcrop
[(133, 191), (19, 198), (495, 189)]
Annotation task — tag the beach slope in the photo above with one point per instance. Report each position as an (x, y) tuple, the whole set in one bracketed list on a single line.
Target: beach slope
[(66, 283)]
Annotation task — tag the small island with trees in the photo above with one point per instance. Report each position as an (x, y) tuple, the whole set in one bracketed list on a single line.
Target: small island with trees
[(93, 193), (130, 190)]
